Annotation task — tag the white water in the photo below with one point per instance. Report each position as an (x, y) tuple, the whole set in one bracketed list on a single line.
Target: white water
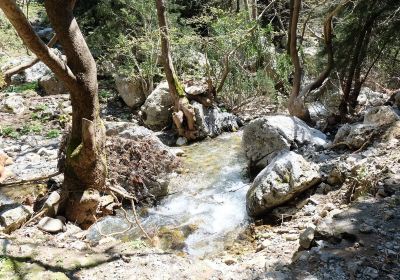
[(211, 195)]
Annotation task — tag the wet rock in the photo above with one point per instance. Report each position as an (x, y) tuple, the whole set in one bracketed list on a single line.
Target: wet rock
[(285, 177), (181, 141), (51, 225), (46, 33), (211, 121), (13, 216), (263, 138), (371, 272), (131, 89), (157, 108), (13, 104), (50, 85), (306, 237), (381, 115)]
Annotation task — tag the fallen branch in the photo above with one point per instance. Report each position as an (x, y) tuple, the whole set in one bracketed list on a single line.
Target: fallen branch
[(34, 180)]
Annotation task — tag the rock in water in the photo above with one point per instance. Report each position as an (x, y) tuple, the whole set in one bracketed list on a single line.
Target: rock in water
[(51, 225), (212, 122), (263, 138), (50, 85), (157, 107), (285, 177), (131, 89)]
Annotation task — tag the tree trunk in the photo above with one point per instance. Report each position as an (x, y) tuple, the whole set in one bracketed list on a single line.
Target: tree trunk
[(85, 165), (183, 116), (296, 104)]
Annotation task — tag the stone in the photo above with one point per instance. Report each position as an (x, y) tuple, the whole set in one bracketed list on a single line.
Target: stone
[(285, 177), (263, 138), (45, 33), (196, 89), (50, 85), (51, 225), (52, 203), (370, 98), (306, 237), (211, 121), (156, 110), (132, 90), (355, 136), (13, 104), (181, 141), (13, 216), (397, 99), (382, 115)]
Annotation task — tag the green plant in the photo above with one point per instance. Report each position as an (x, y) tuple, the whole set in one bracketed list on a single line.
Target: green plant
[(104, 95), (9, 131), (53, 133), (31, 128), (24, 87)]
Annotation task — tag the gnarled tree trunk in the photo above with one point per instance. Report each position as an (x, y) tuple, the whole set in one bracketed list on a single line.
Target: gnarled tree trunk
[(85, 165), (183, 115), (296, 104)]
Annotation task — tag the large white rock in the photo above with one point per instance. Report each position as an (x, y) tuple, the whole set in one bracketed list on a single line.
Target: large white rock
[(263, 138), (285, 177), (381, 115), (157, 107), (51, 225), (131, 89)]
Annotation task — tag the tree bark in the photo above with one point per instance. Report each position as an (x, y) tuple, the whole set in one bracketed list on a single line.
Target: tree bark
[(296, 104), (183, 115), (85, 163)]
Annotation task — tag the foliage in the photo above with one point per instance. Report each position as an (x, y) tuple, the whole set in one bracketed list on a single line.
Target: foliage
[(53, 133)]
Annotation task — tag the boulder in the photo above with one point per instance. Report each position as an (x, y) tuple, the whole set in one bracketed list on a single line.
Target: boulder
[(397, 99), (156, 109), (381, 115), (13, 216), (263, 138), (356, 135), (51, 225), (132, 90), (370, 98), (285, 177), (127, 130), (50, 85), (212, 122), (13, 104)]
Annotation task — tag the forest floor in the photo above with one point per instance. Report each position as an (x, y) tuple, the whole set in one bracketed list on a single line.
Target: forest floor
[(361, 239)]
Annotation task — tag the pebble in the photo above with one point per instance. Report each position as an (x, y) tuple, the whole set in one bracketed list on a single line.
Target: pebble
[(364, 228)]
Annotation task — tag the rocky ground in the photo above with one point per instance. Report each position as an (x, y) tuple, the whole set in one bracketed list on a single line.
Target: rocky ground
[(326, 206)]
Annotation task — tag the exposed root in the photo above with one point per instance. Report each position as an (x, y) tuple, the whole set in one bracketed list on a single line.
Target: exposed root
[(34, 180)]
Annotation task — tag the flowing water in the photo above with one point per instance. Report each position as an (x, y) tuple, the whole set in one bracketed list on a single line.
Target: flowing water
[(209, 196)]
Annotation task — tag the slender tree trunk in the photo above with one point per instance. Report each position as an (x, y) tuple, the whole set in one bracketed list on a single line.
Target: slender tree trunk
[(296, 104), (85, 164), (183, 116)]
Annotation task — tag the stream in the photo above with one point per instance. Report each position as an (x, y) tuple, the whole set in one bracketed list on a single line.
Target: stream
[(209, 197)]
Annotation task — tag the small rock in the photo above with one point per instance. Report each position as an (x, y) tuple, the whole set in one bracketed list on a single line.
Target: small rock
[(371, 272), (306, 237), (51, 225), (291, 237), (364, 228), (52, 203), (229, 261), (181, 141)]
